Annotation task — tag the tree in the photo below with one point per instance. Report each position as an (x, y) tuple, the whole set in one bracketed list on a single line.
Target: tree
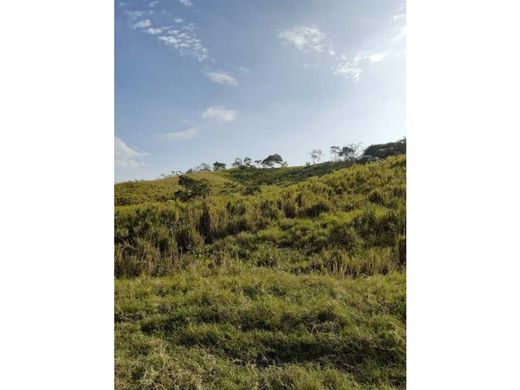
[(258, 162), (248, 162), (380, 151), (192, 188), (237, 163), (204, 167), (335, 150), (316, 155), (349, 152), (272, 159), (219, 166)]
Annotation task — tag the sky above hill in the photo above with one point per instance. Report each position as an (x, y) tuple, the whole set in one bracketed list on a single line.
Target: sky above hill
[(204, 81)]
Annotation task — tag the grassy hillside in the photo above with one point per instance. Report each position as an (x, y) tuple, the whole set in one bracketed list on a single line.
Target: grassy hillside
[(162, 190), (229, 180), (288, 278)]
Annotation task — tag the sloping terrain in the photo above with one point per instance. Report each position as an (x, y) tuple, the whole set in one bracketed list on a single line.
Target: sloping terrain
[(288, 278)]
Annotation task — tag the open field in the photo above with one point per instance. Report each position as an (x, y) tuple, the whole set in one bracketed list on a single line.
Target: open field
[(288, 278)]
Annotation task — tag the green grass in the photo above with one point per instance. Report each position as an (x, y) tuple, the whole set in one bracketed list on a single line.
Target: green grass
[(260, 328), (162, 190), (289, 278), (282, 176), (230, 180)]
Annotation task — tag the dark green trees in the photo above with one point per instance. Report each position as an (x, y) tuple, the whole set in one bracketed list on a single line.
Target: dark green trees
[(271, 160), (219, 166)]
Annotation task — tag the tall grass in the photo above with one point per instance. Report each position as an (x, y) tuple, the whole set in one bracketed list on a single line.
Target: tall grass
[(290, 278), (354, 210)]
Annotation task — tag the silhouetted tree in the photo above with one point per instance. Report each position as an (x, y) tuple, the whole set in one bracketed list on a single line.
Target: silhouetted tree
[(248, 162), (272, 159), (237, 163), (349, 152), (218, 166), (204, 167), (335, 150), (316, 155), (385, 150)]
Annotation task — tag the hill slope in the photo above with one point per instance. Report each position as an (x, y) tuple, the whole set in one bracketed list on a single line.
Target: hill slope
[(229, 180), (290, 278)]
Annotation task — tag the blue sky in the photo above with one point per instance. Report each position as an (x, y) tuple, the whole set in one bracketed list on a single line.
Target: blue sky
[(204, 81)]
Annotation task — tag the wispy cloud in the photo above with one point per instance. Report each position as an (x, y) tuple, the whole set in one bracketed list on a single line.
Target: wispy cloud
[(153, 3), (186, 3), (154, 31), (376, 57), (304, 38), (179, 35), (221, 113), (143, 23), (348, 69), (184, 39), (311, 39), (222, 78), (353, 67), (134, 14), (181, 135), (244, 69), (125, 156)]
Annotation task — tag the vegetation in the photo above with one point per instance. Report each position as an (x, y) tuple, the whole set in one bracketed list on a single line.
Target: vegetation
[(249, 278)]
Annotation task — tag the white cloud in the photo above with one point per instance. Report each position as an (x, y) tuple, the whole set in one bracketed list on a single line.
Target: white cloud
[(134, 14), (125, 156), (152, 4), (143, 23), (222, 78), (154, 31), (220, 113), (352, 68), (186, 134), (349, 70), (181, 36), (186, 3), (184, 39), (377, 57), (304, 38), (244, 69), (311, 39)]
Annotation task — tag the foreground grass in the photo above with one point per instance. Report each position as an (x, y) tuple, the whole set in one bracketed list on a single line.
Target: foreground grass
[(260, 328)]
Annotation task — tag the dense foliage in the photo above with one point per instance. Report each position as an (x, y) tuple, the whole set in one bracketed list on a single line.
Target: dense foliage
[(248, 278)]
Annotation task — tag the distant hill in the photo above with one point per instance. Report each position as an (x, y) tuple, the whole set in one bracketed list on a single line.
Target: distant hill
[(244, 178)]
